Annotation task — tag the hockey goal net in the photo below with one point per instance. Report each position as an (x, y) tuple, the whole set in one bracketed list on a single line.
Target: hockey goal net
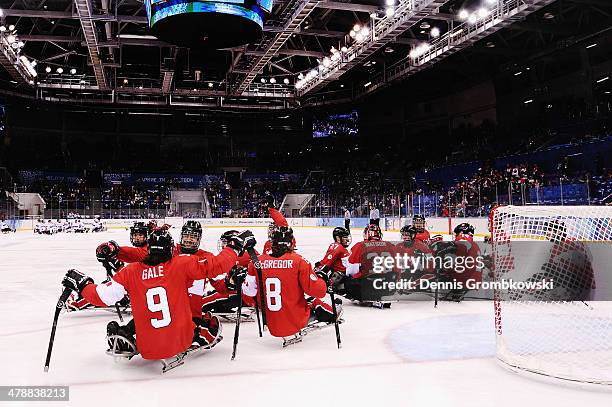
[(565, 332)]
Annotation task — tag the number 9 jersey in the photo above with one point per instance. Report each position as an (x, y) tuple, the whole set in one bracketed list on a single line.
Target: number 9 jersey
[(159, 299), (286, 279)]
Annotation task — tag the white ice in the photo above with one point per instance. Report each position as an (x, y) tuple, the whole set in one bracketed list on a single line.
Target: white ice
[(411, 354)]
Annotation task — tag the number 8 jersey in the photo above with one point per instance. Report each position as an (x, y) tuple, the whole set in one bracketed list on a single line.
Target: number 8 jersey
[(286, 279), (159, 299)]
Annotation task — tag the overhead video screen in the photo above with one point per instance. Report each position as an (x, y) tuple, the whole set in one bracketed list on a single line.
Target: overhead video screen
[(336, 125)]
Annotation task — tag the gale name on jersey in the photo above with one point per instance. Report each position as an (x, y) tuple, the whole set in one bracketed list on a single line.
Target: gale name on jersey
[(153, 272)]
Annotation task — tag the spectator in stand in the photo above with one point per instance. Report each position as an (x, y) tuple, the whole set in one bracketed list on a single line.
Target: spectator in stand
[(374, 215)]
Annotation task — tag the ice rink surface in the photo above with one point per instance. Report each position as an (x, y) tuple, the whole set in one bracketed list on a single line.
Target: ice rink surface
[(411, 354)]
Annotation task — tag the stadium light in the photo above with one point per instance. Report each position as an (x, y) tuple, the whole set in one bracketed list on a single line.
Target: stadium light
[(1, 12), (591, 46), (603, 79), (390, 2), (272, 80), (463, 14), (389, 11), (11, 27), (356, 27), (2, 28), (528, 101), (263, 80), (359, 37), (10, 39), (367, 84), (48, 69), (301, 76), (73, 71), (344, 49), (210, 84), (472, 18), (435, 32), (482, 12), (286, 81), (60, 70)]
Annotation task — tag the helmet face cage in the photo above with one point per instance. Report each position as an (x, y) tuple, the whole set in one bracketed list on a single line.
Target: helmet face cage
[(138, 234), (191, 236), (464, 229), (222, 242), (408, 233), (418, 221), (342, 236)]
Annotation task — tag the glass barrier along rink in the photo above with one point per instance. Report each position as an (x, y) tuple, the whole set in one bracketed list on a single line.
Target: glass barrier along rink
[(62, 209)]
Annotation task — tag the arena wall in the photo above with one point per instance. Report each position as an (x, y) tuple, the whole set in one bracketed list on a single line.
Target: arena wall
[(440, 226)]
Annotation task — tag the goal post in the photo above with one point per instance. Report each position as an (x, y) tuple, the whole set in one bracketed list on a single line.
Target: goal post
[(563, 332)]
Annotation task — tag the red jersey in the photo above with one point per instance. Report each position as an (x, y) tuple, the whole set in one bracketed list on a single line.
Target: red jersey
[(423, 236), (159, 299), (130, 254), (418, 248), (286, 279), (360, 263), (467, 248), (336, 257)]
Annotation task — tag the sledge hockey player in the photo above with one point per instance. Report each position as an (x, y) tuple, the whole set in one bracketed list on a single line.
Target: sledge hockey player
[(224, 298), (277, 220), (456, 252), (360, 286), (568, 264), (162, 326), (5, 227), (336, 258), (287, 278), (420, 268), (97, 225)]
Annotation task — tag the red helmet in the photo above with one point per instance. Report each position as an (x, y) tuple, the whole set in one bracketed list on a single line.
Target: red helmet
[(372, 232)]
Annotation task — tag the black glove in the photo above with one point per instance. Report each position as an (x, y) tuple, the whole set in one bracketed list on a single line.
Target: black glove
[(76, 281), (107, 251), (241, 242), (235, 277), (323, 272)]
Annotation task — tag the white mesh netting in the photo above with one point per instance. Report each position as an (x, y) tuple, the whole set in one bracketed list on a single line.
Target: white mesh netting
[(566, 332)]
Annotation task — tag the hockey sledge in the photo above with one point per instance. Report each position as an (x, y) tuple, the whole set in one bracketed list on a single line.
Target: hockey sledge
[(311, 327)]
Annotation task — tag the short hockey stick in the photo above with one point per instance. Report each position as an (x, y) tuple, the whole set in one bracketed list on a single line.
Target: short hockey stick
[(58, 308), (333, 301), (238, 318), (260, 284)]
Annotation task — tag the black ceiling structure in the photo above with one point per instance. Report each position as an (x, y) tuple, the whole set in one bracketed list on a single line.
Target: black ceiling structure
[(102, 52)]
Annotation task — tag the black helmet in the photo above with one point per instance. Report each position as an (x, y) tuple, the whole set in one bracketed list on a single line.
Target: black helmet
[(343, 234), (408, 232), (418, 221), (161, 243), (281, 240), (464, 229), (191, 235), (225, 237), (139, 228)]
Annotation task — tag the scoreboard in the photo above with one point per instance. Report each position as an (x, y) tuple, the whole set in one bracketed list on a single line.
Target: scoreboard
[(202, 23)]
